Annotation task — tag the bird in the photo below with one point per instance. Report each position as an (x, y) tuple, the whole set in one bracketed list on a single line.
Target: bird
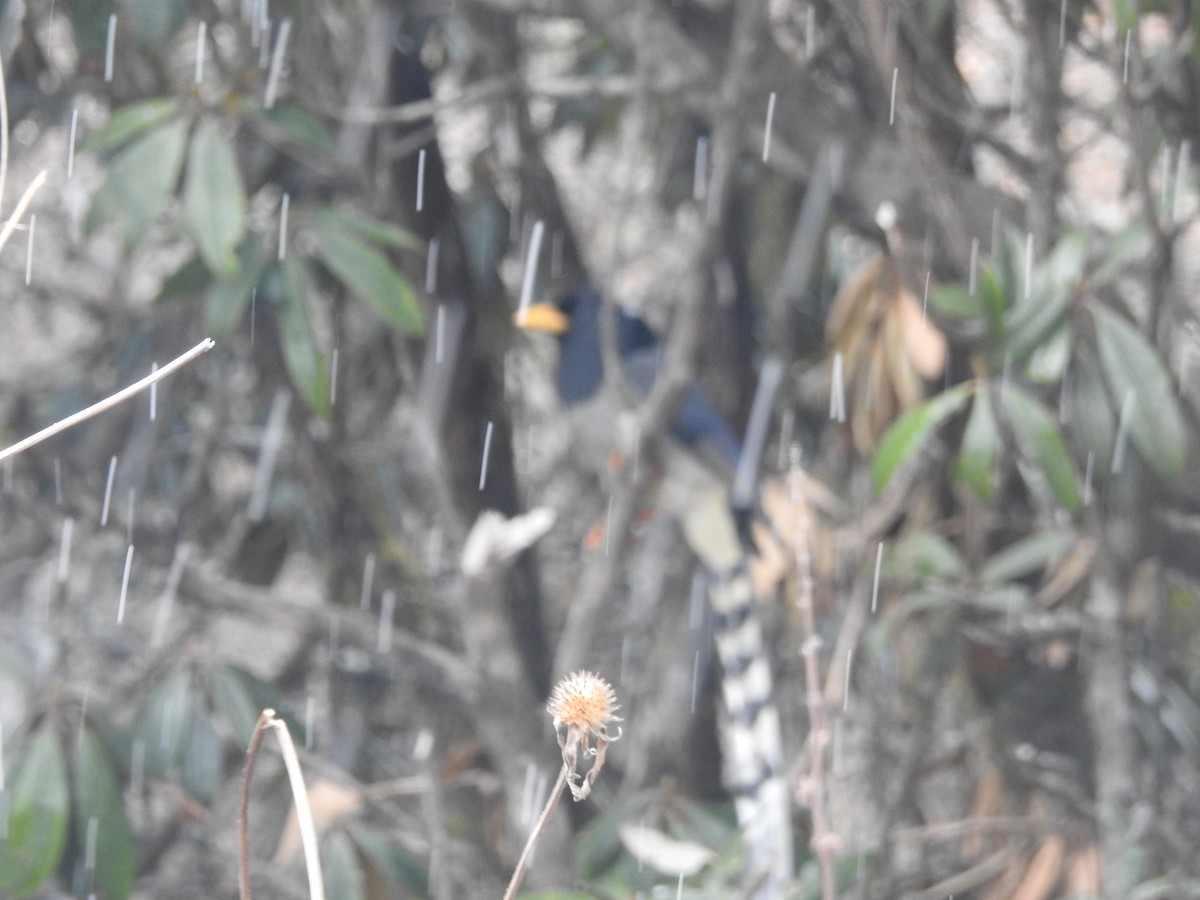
[(699, 455)]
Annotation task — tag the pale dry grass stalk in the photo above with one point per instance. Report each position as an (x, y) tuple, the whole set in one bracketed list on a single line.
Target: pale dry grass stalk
[(308, 831), (812, 790)]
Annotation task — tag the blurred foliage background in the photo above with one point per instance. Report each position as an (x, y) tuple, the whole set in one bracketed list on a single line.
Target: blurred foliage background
[(967, 232)]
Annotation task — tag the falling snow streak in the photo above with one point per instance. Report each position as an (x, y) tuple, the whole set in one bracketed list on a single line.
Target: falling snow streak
[(837, 391), (973, 282), (368, 582), (71, 143), (487, 449), (700, 170), (1062, 26), (308, 722), (129, 517), (439, 334), (531, 262), (875, 583), (283, 220), (846, 686), (281, 39), (89, 853), (29, 250), (1125, 64), (124, 585), (108, 485), (201, 34), (420, 180), (766, 153), (109, 46), (387, 615), (333, 376), (1087, 478), (431, 265), (892, 110)]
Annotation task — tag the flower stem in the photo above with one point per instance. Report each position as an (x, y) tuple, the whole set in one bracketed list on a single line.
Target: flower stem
[(523, 863)]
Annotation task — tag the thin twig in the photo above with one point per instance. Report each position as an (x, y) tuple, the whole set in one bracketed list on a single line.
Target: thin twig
[(108, 402), (824, 842), (244, 809), (523, 863)]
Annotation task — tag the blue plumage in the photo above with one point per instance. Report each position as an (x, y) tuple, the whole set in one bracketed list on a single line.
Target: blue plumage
[(581, 372)]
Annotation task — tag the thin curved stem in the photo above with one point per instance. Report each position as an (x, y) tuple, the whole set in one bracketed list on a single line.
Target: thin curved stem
[(523, 863)]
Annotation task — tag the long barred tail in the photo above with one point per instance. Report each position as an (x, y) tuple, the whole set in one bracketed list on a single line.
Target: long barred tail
[(752, 740), (751, 736)]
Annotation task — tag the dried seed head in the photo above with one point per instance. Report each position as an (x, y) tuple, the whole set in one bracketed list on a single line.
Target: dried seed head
[(583, 701)]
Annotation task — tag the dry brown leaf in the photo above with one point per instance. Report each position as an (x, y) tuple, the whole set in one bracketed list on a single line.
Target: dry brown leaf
[(926, 345), (852, 305), (1083, 873), (1067, 574), (1044, 870), (328, 800), (986, 804)]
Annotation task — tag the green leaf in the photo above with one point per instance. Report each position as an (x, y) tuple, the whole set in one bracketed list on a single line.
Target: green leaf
[(214, 203), (926, 556), (981, 441), (186, 282), (98, 796), (235, 702), (1126, 245), (956, 300), (128, 122), (368, 274), (1039, 440), (339, 863), (305, 364), (1131, 364), (909, 434), (992, 298), (201, 770), (389, 861), (1054, 287), (140, 181), (374, 231), (164, 722), (1027, 556), (34, 808), (294, 124), (154, 21), (1048, 361), (1093, 421), (229, 297)]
